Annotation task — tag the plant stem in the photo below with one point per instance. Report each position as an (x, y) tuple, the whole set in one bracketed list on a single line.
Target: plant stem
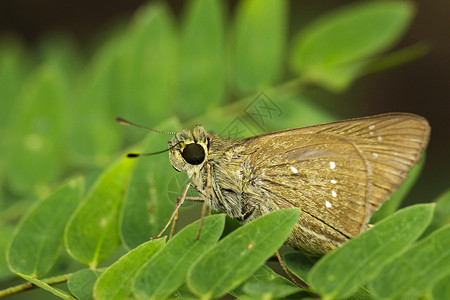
[(28, 285)]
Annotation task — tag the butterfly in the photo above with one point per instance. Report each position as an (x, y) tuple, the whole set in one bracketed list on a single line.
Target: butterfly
[(337, 173)]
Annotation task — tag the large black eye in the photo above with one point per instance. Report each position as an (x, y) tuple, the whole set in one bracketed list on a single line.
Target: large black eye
[(193, 154)]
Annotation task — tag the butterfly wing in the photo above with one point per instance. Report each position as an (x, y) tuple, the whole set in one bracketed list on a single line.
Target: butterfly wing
[(337, 173)]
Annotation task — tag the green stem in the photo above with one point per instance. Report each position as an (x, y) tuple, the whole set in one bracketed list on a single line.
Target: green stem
[(28, 285)]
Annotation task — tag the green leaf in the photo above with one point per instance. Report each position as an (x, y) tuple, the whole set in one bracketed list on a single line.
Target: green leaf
[(262, 113), (6, 233), (183, 292), (270, 289), (295, 111), (148, 67), (344, 270), (201, 72), (441, 290), (299, 264), (441, 212), (93, 135), (81, 283), (147, 207), (338, 78), (166, 271), (228, 121), (92, 233), (240, 254), (57, 292), (259, 43), (413, 273), (116, 282), (340, 42), (10, 212), (394, 201), (12, 73), (62, 52), (38, 239), (362, 294), (263, 274), (35, 150), (398, 57)]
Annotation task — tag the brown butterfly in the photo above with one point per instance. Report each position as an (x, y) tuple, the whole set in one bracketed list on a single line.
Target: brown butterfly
[(337, 173)]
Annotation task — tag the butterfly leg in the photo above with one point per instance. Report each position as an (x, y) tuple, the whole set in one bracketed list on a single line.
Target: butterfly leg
[(174, 215), (300, 284), (172, 229), (197, 199), (208, 195)]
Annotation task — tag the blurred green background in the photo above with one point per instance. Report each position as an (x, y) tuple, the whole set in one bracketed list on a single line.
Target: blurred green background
[(67, 68)]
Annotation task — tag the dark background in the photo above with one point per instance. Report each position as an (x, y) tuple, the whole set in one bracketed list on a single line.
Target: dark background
[(420, 86)]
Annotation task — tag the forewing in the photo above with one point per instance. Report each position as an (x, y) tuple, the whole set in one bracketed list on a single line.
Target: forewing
[(391, 143), (319, 174), (338, 173)]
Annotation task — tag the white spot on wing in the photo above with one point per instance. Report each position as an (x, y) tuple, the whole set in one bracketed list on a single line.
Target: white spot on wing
[(333, 181), (327, 204), (332, 165), (333, 193), (379, 138), (294, 170), (372, 127), (374, 155), (371, 133)]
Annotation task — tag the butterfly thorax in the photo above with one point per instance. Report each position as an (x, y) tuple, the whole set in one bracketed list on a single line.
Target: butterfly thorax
[(228, 177), (227, 169)]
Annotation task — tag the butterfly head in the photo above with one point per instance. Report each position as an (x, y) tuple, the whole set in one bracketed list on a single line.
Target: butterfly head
[(189, 150)]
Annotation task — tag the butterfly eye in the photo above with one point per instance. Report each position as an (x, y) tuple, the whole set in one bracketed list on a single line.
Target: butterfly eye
[(193, 154)]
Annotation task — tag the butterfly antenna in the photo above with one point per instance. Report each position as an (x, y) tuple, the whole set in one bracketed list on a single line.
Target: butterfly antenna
[(128, 123), (134, 155)]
